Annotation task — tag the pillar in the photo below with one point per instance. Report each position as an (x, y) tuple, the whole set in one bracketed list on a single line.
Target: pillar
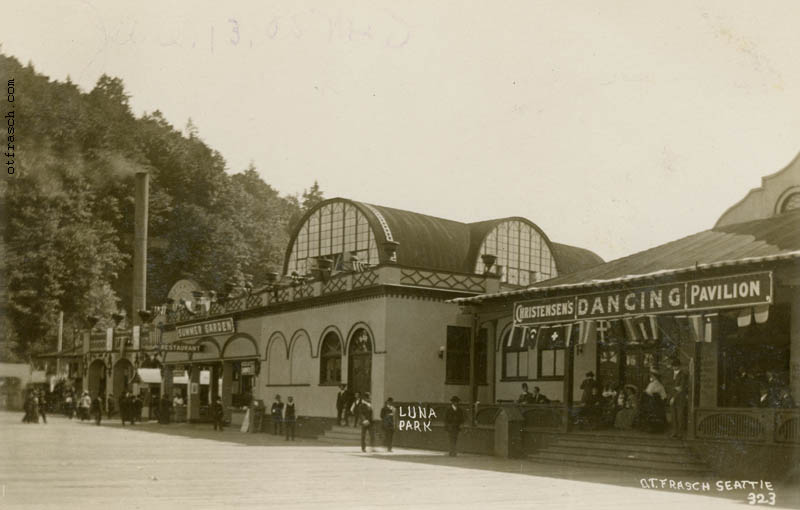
[(227, 382), (794, 345), (166, 381), (193, 406)]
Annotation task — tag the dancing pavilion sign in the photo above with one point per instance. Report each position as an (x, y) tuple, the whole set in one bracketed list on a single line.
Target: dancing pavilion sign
[(695, 295)]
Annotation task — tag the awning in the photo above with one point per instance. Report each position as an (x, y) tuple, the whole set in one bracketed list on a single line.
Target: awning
[(149, 375), (205, 377), (38, 377)]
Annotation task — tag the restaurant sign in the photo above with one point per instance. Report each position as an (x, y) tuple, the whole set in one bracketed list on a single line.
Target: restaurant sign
[(181, 348), (695, 295), (215, 327)]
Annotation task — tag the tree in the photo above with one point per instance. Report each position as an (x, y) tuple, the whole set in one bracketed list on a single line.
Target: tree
[(312, 196)]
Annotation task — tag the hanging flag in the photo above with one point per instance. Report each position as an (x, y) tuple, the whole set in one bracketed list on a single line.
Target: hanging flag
[(136, 334), (568, 333), (530, 337), (710, 326), (511, 334), (761, 314), (587, 332), (697, 327), (109, 339), (745, 317), (632, 333)]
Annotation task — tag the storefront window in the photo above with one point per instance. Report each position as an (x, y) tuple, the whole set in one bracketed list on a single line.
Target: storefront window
[(551, 351), (515, 355), (330, 368), (457, 364), (754, 361), (244, 375)]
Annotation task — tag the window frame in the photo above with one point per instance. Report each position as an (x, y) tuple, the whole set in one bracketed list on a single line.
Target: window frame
[(323, 357)]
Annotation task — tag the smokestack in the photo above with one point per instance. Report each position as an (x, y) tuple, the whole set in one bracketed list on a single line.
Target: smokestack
[(142, 196)]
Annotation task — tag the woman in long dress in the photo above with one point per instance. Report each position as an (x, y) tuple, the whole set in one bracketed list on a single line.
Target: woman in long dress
[(654, 415)]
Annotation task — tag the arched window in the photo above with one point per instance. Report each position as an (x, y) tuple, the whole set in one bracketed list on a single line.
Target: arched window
[(278, 365), (791, 203), (337, 230), (330, 359), (515, 355), (521, 250)]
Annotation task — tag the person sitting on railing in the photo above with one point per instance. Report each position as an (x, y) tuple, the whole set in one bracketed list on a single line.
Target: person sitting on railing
[(539, 398), (526, 397), (786, 400)]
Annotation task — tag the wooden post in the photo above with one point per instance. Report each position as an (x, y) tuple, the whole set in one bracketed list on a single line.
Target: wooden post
[(568, 382), (473, 381)]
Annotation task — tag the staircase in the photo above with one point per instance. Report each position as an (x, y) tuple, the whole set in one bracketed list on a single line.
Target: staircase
[(342, 436), (643, 453)]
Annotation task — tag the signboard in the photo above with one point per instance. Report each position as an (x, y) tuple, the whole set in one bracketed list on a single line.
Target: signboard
[(248, 367), (215, 327), (695, 295), (181, 348)]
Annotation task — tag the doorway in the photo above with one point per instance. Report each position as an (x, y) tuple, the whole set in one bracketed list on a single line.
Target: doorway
[(359, 369)]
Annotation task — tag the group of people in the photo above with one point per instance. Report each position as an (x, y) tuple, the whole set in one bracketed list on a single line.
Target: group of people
[(627, 408), (769, 391), (359, 407), (130, 408), (284, 417), (35, 407), (532, 398)]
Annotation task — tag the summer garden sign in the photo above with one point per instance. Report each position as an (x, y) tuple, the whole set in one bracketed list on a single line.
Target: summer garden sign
[(684, 297)]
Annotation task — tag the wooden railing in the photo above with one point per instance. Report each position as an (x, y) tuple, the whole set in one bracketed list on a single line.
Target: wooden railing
[(744, 424), (544, 416), (386, 274)]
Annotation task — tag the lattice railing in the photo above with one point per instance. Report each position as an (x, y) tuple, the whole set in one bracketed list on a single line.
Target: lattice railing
[(365, 279), (742, 424), (304, 291), (544, 416), (335, 285), (438, 280), (787, 426)]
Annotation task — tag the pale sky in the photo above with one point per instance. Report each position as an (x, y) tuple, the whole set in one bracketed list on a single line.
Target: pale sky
[(614, 126)]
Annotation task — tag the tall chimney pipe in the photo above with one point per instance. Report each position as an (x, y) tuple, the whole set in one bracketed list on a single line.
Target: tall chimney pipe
[(142, 196)]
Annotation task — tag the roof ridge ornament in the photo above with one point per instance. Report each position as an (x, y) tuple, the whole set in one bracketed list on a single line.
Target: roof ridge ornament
[(385, 226)]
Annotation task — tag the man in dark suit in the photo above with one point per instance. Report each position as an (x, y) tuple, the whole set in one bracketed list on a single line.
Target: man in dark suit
[(341, 404), (453, 419), (362, 410), (218, 413), (387, 421), (538, 398), (679, 400), (276, 411)]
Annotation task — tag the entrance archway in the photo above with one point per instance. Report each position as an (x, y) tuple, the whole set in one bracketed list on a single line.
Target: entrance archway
[(97, 378), (123, 375), (359, 366)]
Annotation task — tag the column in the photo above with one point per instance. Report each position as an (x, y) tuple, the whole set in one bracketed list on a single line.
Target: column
[(193, 406), (794, 346), (166, 381), (227, 382)]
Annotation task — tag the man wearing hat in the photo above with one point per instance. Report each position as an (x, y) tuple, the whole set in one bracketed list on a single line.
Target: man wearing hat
[(453, 419), (678, 401)]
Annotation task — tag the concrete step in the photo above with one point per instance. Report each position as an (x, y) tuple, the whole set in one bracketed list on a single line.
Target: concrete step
[(339, 441), (667, 449), (339, 435), (681, 456), (642, 471), (614, 462), (639, 440)]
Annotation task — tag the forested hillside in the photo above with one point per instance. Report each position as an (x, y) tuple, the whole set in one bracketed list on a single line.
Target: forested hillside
[(68, 210)]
